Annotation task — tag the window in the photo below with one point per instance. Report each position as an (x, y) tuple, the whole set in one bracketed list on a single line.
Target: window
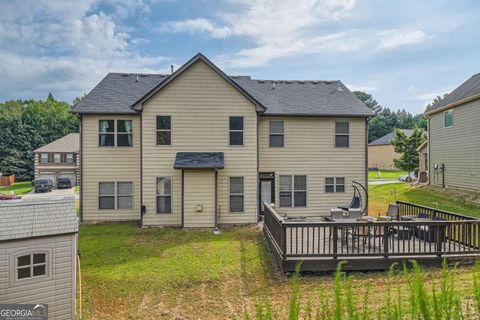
[(44, 158), (334, 185), (56, 158), (276, 134), (124, 195), (164, 130), (31, 265), (124, 133), (115, 195), (448, 118), (236, 194), (69, 158), (342, 135), (236, 131), (106, 136), (293, 191), (164, 195)]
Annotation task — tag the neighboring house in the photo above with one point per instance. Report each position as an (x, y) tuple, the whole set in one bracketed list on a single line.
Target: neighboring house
[(199, 148), (423, 162), (59, 159), (454, 138), (38, 250), (381, 152)]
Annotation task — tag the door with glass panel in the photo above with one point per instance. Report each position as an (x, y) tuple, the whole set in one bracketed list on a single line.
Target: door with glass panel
[(266, 189)]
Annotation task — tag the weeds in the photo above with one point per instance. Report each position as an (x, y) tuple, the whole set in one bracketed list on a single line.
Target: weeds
[(410, 295)]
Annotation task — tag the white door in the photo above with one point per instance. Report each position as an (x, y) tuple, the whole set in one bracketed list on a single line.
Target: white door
[(265, 192)]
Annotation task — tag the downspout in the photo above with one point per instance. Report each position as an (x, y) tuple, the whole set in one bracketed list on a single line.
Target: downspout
[(257, 183), (81, 169), (216, 201), (366, 160), (183, 198), (429, 144), (142, 208)]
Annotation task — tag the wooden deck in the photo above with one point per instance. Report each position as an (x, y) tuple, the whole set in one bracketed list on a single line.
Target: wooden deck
[(371, 245)]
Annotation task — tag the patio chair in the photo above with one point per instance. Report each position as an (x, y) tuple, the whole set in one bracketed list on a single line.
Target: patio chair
[(392, 212), (431, 233), (336, 214), (354, 213)]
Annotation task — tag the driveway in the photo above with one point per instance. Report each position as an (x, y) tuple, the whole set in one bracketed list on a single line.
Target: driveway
[(54, 193), (381, 181)]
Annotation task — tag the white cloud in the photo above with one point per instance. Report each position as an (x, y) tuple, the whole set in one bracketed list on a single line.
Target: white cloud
[(65, 47), (196, 25), (394, 38)]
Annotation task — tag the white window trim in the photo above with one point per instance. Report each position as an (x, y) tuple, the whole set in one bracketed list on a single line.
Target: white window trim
[(444, 114), (341, 134), (242, 131), (115, 133), (55, 158), (164, 130), (67, 158), (276, 134), (236, 194), (115, 195), (293, 190), (41, 158), (163, 195)]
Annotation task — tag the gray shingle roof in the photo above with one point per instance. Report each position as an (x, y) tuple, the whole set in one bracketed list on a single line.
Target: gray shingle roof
[(36, 218), (199, 160), (386, 139), (468, 89), (69, 143), (118, 92)]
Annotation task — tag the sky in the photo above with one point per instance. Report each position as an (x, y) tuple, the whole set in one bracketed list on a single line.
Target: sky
[(404, 53)]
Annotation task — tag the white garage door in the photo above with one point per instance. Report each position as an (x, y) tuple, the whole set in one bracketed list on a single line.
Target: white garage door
[(68, 175), (48, 176)]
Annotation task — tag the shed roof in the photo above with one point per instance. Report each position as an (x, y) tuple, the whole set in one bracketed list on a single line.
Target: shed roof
[(68, 143), (199, 160), (37, 218), (120, 92), (386, 139), (468, 89)]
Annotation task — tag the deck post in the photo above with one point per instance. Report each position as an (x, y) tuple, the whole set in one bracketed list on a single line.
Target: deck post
[(439, 241), (335, 242), (386, 232), (284, 239)]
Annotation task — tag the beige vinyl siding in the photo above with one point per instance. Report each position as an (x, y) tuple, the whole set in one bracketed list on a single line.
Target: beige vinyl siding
[(199, 190), (57, 289), (381, 156), (109, 164), (458, 147), (310, 150), (200, 103)]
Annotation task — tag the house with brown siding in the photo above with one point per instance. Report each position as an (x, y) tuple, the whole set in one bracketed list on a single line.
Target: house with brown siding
[(453, 139), (198, 148), (59, 159), (381, 151)]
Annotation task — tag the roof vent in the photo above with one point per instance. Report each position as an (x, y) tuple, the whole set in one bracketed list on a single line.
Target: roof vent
[(328, 82), (301, 82), (171, 68), (137, 78), (339, 87), (288, 81), (273, 85)]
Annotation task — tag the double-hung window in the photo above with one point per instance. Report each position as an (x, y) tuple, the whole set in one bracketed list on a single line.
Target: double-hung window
[(31, 265), (334, 184), (44, 158), (164, 195), (276, 138), (115, 133), (164, 130), (342, 134), (293, 191), (69, 157), (236, 127), (236, 195), (115, 195), (57, 158), (448, 118)]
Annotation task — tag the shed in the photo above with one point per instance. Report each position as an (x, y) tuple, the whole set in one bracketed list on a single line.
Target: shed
[(38, 249)]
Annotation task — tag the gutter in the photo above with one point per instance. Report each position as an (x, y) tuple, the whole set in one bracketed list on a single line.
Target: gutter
[(453, 104)]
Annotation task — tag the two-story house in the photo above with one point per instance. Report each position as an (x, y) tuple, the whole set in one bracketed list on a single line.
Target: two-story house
[(453, 147), (198, 148), (59, 159)]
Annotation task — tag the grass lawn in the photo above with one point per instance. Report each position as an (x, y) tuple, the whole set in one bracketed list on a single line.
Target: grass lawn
[(450, 200), (19, 188), (133, 273), (391, 175)]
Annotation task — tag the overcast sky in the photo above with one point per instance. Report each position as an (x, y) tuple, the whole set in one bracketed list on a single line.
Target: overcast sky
[(403, 52)]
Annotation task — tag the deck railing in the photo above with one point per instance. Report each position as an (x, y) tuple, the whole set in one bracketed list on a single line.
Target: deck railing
[(291, 238)]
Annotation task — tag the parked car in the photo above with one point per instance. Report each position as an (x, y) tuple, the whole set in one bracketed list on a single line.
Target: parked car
[(408, 177), (43, 185), (64, 183)]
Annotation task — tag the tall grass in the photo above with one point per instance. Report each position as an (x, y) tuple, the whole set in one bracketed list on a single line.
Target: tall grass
[(410, 294)]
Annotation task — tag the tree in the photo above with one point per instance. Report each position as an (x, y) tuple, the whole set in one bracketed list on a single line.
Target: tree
[(407, 147), (435, 100), (368, 100), (78, 99)]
